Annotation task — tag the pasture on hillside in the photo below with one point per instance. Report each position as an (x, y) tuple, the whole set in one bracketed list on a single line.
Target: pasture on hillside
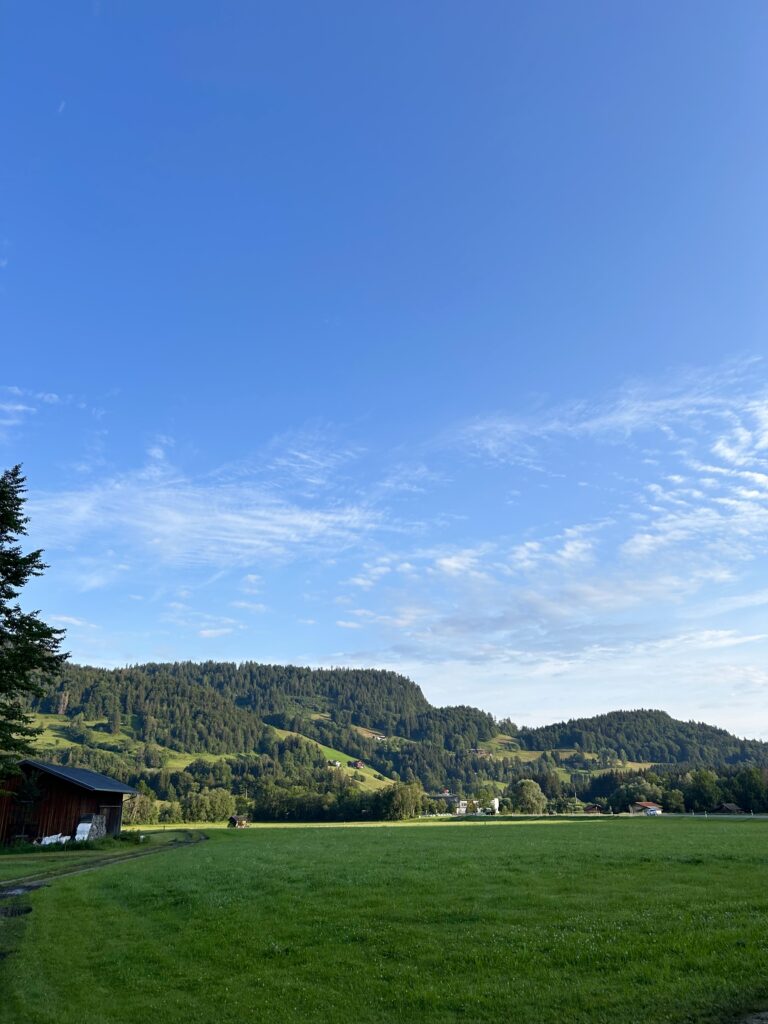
[(603, 921)]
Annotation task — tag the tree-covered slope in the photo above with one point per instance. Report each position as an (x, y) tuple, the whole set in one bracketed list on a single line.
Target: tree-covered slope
[(219, 706), (646, 735), (215, 707)]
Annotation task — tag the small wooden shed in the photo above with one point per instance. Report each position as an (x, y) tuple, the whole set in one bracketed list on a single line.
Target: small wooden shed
[(48, 799), (727, 808)]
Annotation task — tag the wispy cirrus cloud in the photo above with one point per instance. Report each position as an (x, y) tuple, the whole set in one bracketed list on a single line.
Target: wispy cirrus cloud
[(194, 523), (302, 462), (17, 405), (719, 506), (72, 621), (207, 625), (723, 395), (12, 414), (23, 409), (251, 606)]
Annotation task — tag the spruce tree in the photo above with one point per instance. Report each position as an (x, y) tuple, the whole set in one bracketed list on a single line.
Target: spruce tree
[(27, 644)]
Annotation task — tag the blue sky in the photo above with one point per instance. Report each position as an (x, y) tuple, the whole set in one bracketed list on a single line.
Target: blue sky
[(421, 336)]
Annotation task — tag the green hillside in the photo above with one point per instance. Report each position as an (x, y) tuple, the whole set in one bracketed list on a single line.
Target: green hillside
[(202, 739)]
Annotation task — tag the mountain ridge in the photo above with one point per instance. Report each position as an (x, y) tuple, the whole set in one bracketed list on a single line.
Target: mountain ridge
[(216, 707)]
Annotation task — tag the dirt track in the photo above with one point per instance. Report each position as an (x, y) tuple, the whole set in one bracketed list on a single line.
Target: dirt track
[(25, 883)]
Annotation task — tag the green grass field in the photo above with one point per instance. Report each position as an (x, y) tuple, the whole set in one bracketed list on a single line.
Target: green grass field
[(586, 922)]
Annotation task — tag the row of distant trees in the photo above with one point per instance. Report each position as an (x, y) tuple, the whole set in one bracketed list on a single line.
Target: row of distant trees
[(698, 790), (676, 790), (393, 803)]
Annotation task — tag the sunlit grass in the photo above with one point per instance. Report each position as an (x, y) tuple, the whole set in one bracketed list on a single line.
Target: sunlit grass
[(591, 922)]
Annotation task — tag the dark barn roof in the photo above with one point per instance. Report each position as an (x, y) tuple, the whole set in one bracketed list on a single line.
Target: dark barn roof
[(82, 777)]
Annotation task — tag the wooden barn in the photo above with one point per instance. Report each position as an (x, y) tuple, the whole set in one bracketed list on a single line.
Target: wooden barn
[(49, 799), (727, 809)]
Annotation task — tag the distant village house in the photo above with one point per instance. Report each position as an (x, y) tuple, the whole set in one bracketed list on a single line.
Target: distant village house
[(453, 804)]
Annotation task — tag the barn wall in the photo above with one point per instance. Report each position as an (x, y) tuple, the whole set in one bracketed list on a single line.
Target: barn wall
[(61, 807), (7, 806)]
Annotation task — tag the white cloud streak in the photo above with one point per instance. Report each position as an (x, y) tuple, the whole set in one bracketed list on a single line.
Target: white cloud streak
[(186, 523)]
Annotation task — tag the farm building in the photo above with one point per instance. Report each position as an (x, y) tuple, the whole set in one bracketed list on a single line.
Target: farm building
[(646, 807), (49, 799), (727, 809)]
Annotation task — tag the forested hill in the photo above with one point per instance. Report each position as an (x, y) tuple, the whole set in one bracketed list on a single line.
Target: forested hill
[(217, 707), (646, 735)]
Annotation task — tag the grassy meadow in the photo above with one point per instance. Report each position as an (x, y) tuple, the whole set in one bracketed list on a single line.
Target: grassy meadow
[(601, 921)]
